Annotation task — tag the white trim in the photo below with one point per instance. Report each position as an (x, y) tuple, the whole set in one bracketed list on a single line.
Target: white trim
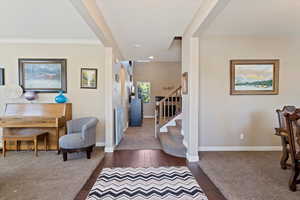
[(49, 41), (148, 117), (109, 149), (192, 158), (240, 148), (182, 132), (100, 144), (184, 143)]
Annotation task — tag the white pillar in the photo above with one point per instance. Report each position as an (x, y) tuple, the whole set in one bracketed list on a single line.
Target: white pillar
[(109, 143), (192, 150), (190, 62)]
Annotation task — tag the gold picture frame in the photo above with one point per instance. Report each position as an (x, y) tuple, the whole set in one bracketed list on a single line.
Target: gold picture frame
[(254, 77)]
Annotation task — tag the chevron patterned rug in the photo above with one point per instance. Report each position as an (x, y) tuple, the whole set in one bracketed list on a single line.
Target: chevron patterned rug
[(146, 183)]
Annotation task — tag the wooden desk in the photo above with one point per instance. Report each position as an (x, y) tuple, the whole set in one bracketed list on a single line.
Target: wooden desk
[(26, 135), (45, 117)]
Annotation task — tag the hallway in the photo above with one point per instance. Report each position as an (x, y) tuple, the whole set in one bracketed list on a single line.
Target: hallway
[(140, 137)]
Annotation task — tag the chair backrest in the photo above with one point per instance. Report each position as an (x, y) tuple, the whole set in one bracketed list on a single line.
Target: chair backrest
[(281, 113), (293, 129)]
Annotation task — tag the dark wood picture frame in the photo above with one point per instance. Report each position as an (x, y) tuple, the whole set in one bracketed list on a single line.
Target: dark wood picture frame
[(2, 76), (185, 83), (82, 86), (275, 76), (63, 75)]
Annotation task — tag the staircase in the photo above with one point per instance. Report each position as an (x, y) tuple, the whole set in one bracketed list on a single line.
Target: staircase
[(168, 124)]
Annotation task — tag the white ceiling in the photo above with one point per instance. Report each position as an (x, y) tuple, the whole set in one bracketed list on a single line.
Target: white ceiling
[(42, 19), (258, 17), (150, 23)]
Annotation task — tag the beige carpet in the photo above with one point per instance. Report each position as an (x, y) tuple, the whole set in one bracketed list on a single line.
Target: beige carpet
[(47, 177), (140, 137), (248, 175)]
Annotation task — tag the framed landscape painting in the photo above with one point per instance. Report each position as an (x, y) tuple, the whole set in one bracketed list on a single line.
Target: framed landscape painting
[(254, 77), (43, 75), (88, 78)]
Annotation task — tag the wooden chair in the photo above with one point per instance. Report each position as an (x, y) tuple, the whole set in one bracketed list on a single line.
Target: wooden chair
[(281, 131), (293, 133)]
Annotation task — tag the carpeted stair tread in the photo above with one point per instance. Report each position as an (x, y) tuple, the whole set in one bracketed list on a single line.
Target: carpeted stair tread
[(175, 133), (179, 123), (172, 145)]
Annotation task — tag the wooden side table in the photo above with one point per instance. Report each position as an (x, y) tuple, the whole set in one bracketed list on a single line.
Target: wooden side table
[(26, 135)]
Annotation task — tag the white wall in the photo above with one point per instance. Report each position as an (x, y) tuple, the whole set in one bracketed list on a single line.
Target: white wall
[(224, 117), (86, 102), (159, 74)]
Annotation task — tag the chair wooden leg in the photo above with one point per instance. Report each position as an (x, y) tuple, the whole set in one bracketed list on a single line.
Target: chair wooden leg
[(285, 154), (293, 179), (88, 154), (65, 156)]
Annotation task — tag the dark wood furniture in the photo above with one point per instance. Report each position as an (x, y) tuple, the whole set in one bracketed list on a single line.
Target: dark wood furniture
[(25, 135), (293, 134), (50, 117), (281, 132)]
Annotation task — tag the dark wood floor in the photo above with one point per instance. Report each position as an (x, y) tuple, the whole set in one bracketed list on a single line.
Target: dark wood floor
[(150, 158)]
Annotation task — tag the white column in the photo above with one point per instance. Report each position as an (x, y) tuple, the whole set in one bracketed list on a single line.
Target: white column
[(109, 143), (192, 150)]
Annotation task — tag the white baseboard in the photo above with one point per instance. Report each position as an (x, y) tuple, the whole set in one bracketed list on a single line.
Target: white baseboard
[(100, 144), (109, 149), (149, 117), (240, 148), (192, 158)]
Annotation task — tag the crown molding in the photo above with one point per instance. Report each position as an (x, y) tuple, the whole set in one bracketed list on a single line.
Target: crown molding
[(48, 41)]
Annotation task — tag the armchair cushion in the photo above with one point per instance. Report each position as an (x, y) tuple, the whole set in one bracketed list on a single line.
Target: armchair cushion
[(72, 141)]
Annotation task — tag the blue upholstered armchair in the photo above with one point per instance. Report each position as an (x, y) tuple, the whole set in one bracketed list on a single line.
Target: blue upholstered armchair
[(81, 136)]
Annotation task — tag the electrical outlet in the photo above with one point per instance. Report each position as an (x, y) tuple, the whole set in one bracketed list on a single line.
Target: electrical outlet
[(242, 136)]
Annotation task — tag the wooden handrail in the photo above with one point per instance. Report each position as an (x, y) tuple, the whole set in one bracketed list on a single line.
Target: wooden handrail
[(167, 108)]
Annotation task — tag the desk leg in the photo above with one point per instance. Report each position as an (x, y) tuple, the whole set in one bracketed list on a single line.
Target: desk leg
[(45, 142), (35, 147), (3, 148), (57, 140)]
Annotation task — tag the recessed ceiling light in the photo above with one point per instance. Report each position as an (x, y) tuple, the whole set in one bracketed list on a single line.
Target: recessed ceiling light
[(151, 57), (137, 45)]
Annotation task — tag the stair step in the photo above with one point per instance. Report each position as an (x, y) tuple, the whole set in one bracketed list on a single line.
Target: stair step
[(179, 123), (175, 133), (172, 144)]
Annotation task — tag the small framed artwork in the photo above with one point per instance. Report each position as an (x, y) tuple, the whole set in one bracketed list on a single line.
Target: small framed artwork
[(117, 77), (43, 75), (2, 76), (254, 77), (88, 78), (184, 83)]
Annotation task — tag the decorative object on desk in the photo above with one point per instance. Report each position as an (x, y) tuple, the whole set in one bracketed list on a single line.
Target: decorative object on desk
[(43, 75), (30, 95), (61, 98), (88, 78), (184, 83), (2, 77), (254, 77), (13, 91)]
